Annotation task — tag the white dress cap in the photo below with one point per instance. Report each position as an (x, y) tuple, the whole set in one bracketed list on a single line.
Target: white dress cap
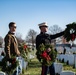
[(43, 24)]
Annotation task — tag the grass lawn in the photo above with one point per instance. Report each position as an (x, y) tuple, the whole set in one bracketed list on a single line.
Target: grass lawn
[(34, 68), (70, 68)]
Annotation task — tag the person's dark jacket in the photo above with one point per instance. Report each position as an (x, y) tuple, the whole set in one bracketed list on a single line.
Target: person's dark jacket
[(46, 38)]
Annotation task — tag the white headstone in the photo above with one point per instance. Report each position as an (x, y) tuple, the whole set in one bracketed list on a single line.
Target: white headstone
[(24, 63), (19, 68), (2, 73), (67, 73), (1, 57), (71, 59), (67, 57), (58, 67)]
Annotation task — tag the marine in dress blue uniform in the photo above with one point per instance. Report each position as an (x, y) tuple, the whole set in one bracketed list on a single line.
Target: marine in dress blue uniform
[(45, 38)]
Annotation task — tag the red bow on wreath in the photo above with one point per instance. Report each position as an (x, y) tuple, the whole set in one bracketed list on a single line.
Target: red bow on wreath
[(73, 36), (70, 32), (45, 56)]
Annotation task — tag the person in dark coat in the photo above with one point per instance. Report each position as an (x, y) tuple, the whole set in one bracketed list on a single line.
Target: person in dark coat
[(45, 38)]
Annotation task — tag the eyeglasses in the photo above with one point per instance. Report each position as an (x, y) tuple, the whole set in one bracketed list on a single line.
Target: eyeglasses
[(14, 26), (45, 26)]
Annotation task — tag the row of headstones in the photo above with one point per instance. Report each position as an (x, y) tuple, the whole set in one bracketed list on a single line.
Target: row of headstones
[(68, 50), (71, 58), (22, 65), (59, 70)]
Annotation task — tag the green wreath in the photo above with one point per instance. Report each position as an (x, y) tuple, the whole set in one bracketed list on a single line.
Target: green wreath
[(46, 54), (70, 32), (25, 51), (9, 66)]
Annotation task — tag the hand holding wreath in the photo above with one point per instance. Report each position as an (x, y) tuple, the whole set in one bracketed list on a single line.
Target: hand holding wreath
[(70, 32), (46, 54)]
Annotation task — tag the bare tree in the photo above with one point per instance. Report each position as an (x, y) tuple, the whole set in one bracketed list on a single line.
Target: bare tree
[(19, 38), (55, 29), (30, 38), (1, 41)]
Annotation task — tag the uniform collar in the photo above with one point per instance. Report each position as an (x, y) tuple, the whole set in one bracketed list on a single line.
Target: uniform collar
[(42, 33)]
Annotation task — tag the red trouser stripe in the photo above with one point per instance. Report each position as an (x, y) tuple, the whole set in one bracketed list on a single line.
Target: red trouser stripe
[(43, 70)]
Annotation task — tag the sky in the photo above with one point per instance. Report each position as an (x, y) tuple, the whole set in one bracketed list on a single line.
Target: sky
[(29, 13)]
